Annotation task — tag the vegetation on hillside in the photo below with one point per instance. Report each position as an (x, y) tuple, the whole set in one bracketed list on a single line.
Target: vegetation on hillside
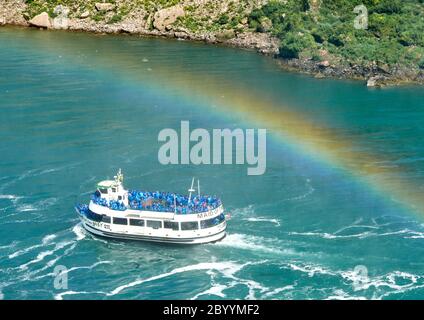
[(313, 30), (123, 7), (395, 33)]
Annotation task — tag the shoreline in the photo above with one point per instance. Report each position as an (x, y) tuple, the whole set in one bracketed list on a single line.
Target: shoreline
[(263, 43)]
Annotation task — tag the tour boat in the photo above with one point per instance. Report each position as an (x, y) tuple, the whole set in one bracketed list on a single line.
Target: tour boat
[(153, 216)]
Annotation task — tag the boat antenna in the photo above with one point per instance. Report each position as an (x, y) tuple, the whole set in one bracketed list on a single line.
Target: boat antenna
[(119, 176), (198, 187), (191, 190)]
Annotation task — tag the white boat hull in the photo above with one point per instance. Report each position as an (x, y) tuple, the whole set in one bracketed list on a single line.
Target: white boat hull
[(99, 230)]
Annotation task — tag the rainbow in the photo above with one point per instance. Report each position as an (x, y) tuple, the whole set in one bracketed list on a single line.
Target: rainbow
[(287, 125), (322, 144)]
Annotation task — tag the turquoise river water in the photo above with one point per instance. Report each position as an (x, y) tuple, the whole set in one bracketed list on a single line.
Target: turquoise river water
[(338, 213)]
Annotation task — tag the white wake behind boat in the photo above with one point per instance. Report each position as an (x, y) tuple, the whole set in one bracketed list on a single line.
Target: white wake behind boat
[(153, 216)]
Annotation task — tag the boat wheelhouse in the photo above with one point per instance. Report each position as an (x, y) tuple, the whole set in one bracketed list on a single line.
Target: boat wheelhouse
[(153, 216)]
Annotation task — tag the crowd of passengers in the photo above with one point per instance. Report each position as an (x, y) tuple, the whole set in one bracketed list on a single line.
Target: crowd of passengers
[(112, 204), (161, 202)]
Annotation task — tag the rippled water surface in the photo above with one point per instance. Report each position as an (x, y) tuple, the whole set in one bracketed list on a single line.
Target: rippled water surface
[(337, 215)]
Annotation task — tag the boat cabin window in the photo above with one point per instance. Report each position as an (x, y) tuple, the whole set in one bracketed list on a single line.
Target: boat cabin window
[(154, 224), (137, 222), (122, 221), (113, 189), (103, 190), (170, 225), (209, 223), (106, 219), (189, 225), (119, 197), (94, 216)]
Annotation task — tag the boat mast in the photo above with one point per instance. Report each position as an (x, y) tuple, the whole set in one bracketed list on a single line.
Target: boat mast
[(191, 190)]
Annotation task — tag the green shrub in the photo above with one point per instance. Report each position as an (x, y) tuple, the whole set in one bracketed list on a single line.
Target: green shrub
[(305, 5), (99, 16), (421, 63), (318, 37), (189, 22), (316, 57), (223, 19), (115, 19), (336, 40), (294, 44), (388, 6), (234, 22)]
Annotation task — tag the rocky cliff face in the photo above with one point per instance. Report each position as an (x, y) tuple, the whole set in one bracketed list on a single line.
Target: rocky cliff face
[(203, 20), (12, 12)]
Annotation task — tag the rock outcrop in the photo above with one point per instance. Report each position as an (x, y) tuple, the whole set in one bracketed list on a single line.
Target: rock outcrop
[(85, 14), (314, 5), (42, 21), (12, 12), (262, 42), (376, 81), (166, 17), (61, 20), (104, 6), (324, 64), (225, 35)]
